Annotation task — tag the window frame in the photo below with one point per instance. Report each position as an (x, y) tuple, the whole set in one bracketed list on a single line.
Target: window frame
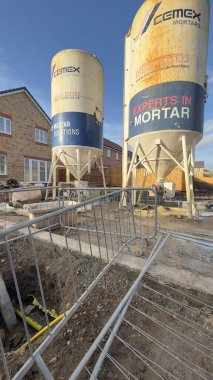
[(30, 170), (117, 156), (5, 119), (40, 132), (5, 164), (109, 153)]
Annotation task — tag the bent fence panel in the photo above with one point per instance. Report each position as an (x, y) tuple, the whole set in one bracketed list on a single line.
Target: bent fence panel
[(52, 263)]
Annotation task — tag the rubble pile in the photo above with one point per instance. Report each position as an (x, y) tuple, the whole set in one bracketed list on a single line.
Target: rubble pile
[(9, 183)]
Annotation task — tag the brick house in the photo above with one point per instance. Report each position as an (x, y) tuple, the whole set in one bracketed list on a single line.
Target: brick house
[(25, 137), (112, 162), (112, 154), (25, 142)]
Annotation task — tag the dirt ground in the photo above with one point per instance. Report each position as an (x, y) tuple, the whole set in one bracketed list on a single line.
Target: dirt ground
[(175, 221), (75, 338), (198, 227)]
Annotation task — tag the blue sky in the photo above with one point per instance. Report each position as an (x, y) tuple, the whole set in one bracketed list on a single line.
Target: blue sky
[(32, 31)]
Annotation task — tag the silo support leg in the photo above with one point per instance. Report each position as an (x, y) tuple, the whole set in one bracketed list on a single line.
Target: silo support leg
[(143, 185), (78, 159), (145, 157), (134, 155), (192, 165), (193, 156), (54, 182), (54, 160), (78, 166), (102, 171), (101, 168), (67, 175), (89, 162), (188, 179), (192, 195), (124, 163), (71, 168), (134, 180)]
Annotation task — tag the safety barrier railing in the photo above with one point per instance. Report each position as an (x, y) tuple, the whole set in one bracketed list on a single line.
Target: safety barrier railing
[(117, 209), (17, 205), (52, 263), (158, 329)]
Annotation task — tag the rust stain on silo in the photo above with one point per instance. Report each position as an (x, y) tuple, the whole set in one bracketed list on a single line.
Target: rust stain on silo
[(168, 56)]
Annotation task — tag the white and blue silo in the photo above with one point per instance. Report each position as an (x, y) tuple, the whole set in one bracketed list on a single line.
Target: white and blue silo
[(77, 110)]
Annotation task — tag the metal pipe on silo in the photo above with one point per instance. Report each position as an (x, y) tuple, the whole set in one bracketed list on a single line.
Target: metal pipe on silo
[(186, 168), (126, 109)]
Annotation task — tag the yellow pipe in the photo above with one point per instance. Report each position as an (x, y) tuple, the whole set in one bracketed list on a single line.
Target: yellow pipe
[(51, 312), (29, 321), (34, 337)]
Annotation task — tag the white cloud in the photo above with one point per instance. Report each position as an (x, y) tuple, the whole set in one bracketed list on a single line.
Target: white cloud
[(114, 132), (44, 103), (207, 140), (208, 134), (208, 126), (210, 83), (210, 78), (8, 79)]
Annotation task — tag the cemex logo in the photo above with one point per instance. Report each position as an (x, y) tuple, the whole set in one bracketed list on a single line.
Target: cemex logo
[(176, 14), (147, 20), (64, 70), (166, 16)]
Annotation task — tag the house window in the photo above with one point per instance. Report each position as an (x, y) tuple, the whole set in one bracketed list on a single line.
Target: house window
[(41, 136), (117, 156), (3, 164), (43, 171), (5, 125), (36, 170), (109, 153)]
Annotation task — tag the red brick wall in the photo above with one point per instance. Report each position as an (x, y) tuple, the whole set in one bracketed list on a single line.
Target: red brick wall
[(112, 162), (25, 117)]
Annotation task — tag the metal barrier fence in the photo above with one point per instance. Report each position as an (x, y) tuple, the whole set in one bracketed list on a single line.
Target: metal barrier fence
[(16, 204), (116, 212), (56, 260), (157, 330), (82, 317)]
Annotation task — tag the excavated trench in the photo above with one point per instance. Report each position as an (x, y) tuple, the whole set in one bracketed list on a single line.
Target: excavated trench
[(73, 341)]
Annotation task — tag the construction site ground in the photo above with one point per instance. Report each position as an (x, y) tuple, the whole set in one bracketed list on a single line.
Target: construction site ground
[(170, 220), (184, 267), (74, 339)]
